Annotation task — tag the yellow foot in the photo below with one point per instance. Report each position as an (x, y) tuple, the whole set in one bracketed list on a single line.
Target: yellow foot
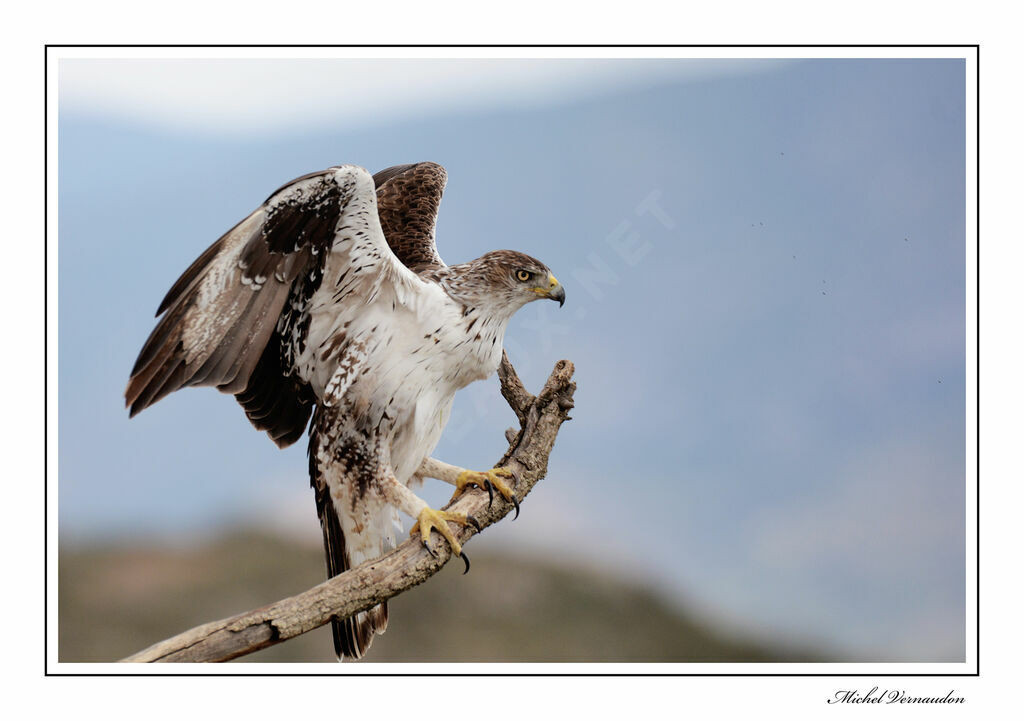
[(429, 520), (489, 481)]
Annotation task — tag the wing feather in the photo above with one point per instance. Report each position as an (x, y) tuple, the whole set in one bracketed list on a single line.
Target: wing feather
[(219, 317), (274, 401), (408, 199)]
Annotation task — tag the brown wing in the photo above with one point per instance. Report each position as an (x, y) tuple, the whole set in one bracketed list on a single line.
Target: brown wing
[(216, 318), (234, 315), (408, 198)]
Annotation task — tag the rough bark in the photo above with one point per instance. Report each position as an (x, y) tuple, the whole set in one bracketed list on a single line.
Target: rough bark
[(408, 565)]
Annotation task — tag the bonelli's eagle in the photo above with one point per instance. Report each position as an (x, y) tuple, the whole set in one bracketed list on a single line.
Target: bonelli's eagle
[(330, 301)]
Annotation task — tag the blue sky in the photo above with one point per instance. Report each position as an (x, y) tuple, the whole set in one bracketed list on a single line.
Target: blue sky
[(765, 275)]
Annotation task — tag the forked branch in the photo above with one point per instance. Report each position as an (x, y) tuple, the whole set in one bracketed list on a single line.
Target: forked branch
[(410, 564)]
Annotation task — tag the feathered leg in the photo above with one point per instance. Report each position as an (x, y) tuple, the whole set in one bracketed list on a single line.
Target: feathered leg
[(427, 519)]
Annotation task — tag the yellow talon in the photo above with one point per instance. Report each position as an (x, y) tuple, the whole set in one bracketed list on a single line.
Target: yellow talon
[(429, 520), (489, 481), (480, 479)]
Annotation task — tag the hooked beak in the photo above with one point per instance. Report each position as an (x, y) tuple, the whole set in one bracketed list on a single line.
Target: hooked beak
[(554, 291), (557, 293)]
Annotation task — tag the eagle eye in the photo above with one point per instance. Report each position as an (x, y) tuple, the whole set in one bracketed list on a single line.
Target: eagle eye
[(523, 275)]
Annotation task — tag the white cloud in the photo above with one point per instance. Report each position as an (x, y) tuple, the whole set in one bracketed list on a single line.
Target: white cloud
[(256, 96)]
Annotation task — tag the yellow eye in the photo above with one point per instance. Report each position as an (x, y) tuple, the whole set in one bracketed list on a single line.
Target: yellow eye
[(523, 275)]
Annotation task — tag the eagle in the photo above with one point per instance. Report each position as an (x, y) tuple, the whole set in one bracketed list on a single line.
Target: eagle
[(330, 302)]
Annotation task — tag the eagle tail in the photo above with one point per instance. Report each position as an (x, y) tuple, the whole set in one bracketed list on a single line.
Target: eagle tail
[(352, 635)]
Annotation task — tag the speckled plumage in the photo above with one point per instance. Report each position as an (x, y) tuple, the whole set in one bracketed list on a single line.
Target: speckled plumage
[(331, 301)]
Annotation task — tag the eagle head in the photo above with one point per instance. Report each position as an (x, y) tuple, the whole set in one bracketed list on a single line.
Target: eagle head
[(503, 281)]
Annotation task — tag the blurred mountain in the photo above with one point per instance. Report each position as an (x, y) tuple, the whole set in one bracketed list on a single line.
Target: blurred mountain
[(115, 600)]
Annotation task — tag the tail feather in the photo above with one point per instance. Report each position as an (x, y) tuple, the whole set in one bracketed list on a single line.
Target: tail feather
[(352, 635)]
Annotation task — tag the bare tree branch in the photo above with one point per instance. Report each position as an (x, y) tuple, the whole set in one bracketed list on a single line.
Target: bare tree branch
[(410, 564)]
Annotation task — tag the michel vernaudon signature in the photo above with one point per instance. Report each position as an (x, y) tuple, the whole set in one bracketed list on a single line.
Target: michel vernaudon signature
[(890, 696)]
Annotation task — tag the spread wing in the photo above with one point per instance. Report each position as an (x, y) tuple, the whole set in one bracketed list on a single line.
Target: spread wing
[(408, 198), (232, 319)]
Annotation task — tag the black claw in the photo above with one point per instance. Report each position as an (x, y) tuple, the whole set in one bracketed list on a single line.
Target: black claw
[(429, 549), (515, 502), (473, 522), (466, 559), (490, 493)]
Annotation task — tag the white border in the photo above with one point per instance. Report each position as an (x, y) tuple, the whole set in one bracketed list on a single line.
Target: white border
[(485, 52)]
